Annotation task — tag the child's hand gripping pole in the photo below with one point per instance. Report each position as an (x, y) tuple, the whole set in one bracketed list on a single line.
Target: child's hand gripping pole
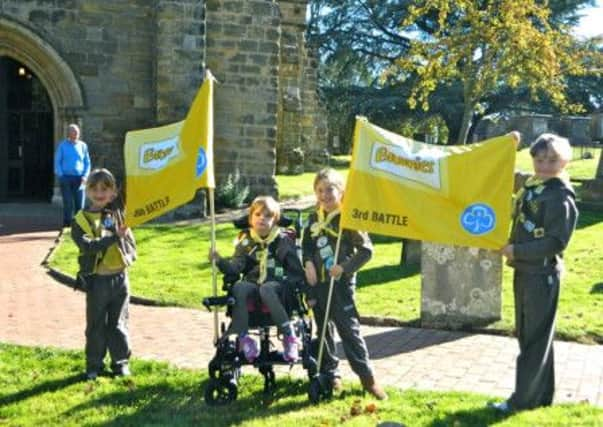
[(323, 331), (214, 272)]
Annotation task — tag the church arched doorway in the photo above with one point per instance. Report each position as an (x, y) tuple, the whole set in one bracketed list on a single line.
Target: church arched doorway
[(26, 135), (52, 83)]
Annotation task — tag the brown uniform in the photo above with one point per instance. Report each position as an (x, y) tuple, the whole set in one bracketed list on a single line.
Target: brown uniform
[(544, 219), (355, 250)]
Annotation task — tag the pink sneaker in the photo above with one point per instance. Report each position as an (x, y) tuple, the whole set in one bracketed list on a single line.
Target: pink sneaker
[(291, 347), (249, 348)]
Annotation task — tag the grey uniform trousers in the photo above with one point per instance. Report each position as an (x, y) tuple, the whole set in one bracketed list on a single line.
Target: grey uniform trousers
[(107, 299), (536, 297), (270, 294), (344, 316)]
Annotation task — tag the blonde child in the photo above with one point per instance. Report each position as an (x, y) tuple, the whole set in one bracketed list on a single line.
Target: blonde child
[(106, 249), (267, 259), (544, 219), (355, 250)]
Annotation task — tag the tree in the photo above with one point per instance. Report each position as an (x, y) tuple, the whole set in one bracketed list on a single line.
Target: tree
[(356, 39), (489, 46)]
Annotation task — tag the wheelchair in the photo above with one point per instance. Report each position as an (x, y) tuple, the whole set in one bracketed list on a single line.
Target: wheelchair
[(225, 367)]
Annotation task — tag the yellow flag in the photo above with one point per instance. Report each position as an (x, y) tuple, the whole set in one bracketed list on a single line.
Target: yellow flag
[(454, 195), (166, 165)]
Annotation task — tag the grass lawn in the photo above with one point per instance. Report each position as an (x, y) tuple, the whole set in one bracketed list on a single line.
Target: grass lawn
[(577, 168), (296, 186), (43, 387), (173, 269)]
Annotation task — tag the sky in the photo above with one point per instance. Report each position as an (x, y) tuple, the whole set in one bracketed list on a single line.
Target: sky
[(592, 23)]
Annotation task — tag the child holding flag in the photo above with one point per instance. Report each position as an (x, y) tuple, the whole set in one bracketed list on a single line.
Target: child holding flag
[(320, 239), (268, 260), (107, 248), (544, 219)]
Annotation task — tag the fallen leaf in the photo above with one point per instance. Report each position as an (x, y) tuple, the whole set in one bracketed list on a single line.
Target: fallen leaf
[(370, 408)]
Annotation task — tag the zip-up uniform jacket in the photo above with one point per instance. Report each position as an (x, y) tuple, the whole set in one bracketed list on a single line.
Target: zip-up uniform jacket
[(544, 219), (282, 263), (355, 250), (93, 244)]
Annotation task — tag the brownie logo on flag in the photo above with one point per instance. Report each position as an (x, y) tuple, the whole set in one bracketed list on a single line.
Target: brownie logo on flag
[(422, 166), (156, 155)]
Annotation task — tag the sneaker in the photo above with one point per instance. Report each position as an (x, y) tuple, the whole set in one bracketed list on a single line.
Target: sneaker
[(249, 348), (502, 407), (291, 349)]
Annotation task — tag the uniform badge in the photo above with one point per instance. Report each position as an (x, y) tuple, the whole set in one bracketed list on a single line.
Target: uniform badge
[(326, 252), (529, 226), (108, 222), (539, 232), (245, 242), (329, 262), (278, 272), (322, 241)]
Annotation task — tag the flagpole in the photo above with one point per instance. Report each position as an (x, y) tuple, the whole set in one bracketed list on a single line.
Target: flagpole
[(328, 307), (214, 272)]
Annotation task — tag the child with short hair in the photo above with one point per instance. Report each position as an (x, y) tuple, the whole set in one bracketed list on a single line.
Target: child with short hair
[(544, 219), (267, 259), (106, 249), (320, 238)]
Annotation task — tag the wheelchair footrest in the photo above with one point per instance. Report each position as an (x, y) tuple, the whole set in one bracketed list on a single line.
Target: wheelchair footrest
[(218, 301)]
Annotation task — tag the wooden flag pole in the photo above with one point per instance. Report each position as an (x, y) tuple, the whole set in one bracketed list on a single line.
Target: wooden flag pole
[(328, 307), (214, 272)]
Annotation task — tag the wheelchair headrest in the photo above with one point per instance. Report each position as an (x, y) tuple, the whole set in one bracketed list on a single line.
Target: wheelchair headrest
[(243, 222)]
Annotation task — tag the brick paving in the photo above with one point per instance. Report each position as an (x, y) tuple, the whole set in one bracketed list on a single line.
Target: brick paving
[(36, 310)]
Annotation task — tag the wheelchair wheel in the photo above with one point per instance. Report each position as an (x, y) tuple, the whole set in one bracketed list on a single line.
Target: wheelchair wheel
[(269, 383), (314, 391), (220, 392), (319, 388), (213, 369)]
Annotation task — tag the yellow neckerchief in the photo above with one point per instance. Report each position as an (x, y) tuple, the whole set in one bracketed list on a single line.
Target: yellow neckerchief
[(322, 224), (532, 182), (110, 260), (263, 251), (535, 182)]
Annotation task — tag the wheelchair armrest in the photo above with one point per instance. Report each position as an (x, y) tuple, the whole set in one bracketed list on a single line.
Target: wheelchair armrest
[(218, 301), (228, 280)]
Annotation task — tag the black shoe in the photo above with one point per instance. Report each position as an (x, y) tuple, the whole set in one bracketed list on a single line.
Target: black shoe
[(123, 371), (502, 407), (91, 375)]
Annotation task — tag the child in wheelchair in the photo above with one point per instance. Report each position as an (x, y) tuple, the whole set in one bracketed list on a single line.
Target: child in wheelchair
[(266, 258)]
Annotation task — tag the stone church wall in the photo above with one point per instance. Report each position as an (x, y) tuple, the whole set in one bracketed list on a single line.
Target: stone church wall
[(106, 44), (243, 53), (139, 63), (302, 123)]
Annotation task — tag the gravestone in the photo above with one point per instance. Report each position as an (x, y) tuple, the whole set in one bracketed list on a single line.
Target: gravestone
[(592, 189), (460, 286), (411, 252)]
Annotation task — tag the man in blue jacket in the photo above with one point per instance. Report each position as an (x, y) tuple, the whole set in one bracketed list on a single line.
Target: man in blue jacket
[(72, 166)]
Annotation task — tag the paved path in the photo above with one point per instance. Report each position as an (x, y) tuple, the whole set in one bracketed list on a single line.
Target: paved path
[(35, 310)]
